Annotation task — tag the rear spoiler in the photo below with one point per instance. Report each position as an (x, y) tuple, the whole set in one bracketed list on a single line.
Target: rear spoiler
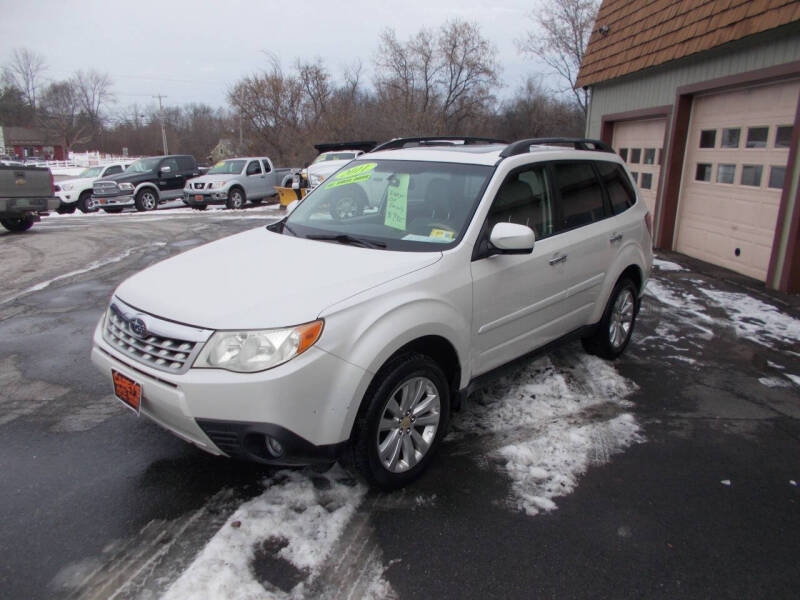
[(333, 146)]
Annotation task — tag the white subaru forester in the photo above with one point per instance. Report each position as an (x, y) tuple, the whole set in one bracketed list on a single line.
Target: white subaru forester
[(392, 289)]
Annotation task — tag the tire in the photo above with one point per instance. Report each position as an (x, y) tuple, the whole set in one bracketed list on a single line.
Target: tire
[(236, 198), (389, 447), (615, 328), (18, 224), (86, 204), (114, 209), (146, 200)]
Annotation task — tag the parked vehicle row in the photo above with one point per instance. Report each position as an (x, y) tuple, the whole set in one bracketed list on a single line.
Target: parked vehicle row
[(463, 259)]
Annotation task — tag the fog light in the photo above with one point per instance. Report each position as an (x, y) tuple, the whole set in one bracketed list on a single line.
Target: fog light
[(274, 447)]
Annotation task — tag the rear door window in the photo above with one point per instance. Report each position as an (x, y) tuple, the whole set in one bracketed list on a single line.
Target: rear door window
[(267, 168), (253, 168), (185, 163), (580, 196), (618, 186)]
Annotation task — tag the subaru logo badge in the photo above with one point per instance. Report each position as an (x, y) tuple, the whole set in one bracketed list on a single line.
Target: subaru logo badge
[(137, 327)]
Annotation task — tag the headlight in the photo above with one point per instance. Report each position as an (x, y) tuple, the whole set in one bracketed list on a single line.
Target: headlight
[(66, 186), (126, 186), (259, 350), (215, 185)]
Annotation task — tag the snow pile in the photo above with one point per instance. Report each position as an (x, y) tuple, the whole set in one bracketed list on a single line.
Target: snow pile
[(548, 424), (756, 320), (665, 265), (772, 382), (301, 515)]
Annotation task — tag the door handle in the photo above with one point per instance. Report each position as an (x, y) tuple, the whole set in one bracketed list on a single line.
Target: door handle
[(615, 238), (558, 259)]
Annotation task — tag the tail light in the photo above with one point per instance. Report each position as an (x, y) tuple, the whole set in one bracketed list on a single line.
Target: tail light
[(648, 221)]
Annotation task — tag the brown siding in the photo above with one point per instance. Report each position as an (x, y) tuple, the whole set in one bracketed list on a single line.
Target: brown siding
[(647, 33)]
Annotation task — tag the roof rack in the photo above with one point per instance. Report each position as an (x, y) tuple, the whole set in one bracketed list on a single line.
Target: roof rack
[(441, 140), (523, 146)]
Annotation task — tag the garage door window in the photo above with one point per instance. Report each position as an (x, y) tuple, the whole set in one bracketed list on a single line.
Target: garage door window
[(751, 175), (649, 156), (730, 138), (636, 155), (647, 181), (783, 138), (757, 137), (776, 177), (726, 173), (703, 172), (708, 138), (623, 152)]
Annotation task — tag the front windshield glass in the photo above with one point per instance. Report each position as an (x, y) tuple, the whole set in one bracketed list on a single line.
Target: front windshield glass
[(91, 172), (143, 165), (399, 205), (227, 167), (334, 156)]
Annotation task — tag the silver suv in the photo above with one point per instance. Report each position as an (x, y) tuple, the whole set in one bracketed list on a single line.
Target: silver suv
[(463, 256)]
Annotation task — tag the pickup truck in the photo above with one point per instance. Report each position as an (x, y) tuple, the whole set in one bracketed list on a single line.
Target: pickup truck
[(25, 193), (145, 184), (77, 192), (236, 181)]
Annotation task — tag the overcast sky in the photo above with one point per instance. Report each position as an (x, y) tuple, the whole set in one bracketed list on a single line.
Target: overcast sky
[(194, 51)]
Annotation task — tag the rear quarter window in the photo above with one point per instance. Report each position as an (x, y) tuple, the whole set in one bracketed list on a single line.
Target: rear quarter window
[(618, 186)]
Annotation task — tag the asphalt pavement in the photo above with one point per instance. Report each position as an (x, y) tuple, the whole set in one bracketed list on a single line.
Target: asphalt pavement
[(672, 472)]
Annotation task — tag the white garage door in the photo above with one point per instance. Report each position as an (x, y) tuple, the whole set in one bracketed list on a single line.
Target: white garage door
[(735, 162), (639, 143)]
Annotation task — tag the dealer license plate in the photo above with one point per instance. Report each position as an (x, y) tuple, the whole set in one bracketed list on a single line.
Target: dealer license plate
[(127, 390)]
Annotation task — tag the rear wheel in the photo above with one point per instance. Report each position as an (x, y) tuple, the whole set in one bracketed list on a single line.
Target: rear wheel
[(146, 200), (407, 408), (236, 198), (18, 224), (616, 327), (86, 203)]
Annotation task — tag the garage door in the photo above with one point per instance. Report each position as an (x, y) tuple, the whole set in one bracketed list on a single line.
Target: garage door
[(639, 144), (734, 166)]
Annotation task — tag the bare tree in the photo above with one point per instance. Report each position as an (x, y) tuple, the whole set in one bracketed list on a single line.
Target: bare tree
[(94, 94), (24, 71), (559, 40), (61, 114)]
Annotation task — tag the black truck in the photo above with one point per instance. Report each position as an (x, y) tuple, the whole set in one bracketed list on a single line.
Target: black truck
[(146, 183)]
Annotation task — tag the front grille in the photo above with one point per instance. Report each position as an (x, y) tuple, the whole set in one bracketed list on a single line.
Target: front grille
[(199, 186), (171, 353), (104, 187)]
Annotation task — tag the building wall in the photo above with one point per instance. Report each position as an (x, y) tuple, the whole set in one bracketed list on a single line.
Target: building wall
[(657, 87)]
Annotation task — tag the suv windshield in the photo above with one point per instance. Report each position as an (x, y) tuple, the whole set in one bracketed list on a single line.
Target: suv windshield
[(91, 172), (227, 167), (334, 156), (143, 165), (399, 205)]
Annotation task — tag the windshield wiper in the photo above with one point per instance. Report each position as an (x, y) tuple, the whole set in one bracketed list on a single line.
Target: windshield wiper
[(343, 238)]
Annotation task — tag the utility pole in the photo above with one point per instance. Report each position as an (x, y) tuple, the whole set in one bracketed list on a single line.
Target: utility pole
[(163, 127)]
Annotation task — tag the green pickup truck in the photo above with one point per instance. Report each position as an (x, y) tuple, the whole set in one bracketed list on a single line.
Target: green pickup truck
[(25, 194)]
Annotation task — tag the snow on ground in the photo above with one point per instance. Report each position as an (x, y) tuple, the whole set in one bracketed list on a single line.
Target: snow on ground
[(772, 382), (665, 265), (756, 320), (794, 378), (548, 424), (175, 208), (297, 515)]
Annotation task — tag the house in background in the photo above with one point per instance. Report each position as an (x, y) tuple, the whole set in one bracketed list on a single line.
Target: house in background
[(29, 142), (702, 99)]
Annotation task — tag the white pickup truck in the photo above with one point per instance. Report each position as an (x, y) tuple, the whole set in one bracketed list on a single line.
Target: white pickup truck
[(77, 192), (25, 193), (236, 181)]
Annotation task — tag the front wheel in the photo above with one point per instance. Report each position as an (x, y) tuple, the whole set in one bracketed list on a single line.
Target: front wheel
[(235, 198), (86, 203), (406, 412), (18, 224), (146, 200), (616, 327)]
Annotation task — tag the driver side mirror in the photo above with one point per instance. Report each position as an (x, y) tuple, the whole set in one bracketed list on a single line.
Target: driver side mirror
[(511, 238)]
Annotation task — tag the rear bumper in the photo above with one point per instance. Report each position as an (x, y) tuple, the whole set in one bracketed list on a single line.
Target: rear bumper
[(20, 206)]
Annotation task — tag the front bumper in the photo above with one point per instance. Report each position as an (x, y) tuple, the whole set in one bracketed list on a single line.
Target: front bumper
[(121, 200), (204, 197), (305, 404)]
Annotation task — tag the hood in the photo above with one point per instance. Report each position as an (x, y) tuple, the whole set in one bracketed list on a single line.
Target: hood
[(328, 167), (128, 176), (77, 181), (259, 279)]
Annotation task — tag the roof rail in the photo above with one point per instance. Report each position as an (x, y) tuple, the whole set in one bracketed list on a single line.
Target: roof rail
[(523, 146), (364, 146), (441, 140)]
